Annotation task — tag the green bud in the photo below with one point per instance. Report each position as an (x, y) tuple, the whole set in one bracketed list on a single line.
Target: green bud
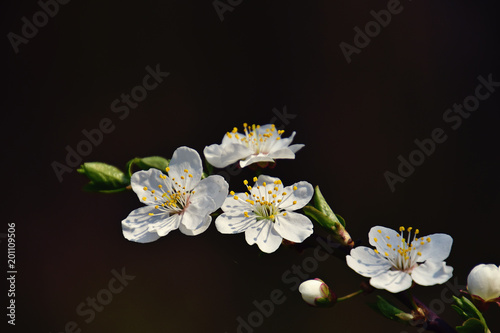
[(332, 225)]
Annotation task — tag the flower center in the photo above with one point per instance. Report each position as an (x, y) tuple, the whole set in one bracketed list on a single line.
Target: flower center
[(171, 197), (403, 253), (257, 139), (265, 199)]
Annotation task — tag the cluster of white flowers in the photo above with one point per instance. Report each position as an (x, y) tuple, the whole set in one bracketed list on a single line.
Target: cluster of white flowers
[(180, 199), (266, 212)]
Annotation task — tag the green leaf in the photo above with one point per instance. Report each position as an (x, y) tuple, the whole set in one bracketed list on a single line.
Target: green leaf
[(104, 177), (156, 162), (473, 325), (388, 310), (468, 309), (322, 206)]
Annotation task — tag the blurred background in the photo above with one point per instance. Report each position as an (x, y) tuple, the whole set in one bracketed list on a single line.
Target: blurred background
[(232, 62)]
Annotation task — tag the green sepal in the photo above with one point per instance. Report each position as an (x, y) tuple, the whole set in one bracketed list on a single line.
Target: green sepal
[(103, 177), (321, 204), (156, 162), (473, 325), (386, 309), (467, 310)]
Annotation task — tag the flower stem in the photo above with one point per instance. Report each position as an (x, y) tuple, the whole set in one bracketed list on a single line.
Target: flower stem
[(340, 299)]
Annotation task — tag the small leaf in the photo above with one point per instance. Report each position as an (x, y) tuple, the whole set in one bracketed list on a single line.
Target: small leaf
[(388, 310), (322, 206), (103, 174), (468, 308), (472, 325), (156, 162)]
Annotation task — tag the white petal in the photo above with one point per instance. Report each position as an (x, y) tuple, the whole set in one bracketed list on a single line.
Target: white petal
[(363, 260), (283, 153), (392, 281), (255, 159), (438, 249), (231, 204), (144, 182), (268, 180), (136, 226), (301, 196), (284, 142), (294, 227), (221, 156), (214, 187), (234, 222), (169, 224), (384, 236), (310, 290), (194, 215), (204, 226), (484, 281), (185, 158), (264, 235), (296, 148), (431, 273)]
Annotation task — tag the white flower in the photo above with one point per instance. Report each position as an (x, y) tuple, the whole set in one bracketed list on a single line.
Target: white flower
[(316, 292), (397, 261), (179, 200), (256, 144), (484, 282), (266, 213)]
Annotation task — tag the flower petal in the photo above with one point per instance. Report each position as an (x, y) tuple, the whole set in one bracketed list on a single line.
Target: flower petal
[(295, 148), (381, 236), (296, 199), (193, 232), (214, 187), (144, 182), (195, 214), (255, 159), (169, 224), (268, 180), (240, 205), (283, 153), (364, 261), (264, 235), (431, 273), (185, 158), (392, 281), (135, 227), (234, 222), (438, 249), (221, 156), (293, 227)]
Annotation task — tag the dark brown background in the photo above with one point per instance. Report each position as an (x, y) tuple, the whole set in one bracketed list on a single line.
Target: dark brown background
[(355, 120)]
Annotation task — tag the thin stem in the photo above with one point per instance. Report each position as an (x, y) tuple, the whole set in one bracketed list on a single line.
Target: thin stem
[(340, 299)]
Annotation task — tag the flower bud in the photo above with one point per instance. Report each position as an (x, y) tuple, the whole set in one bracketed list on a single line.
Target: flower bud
[(316, 293), (483, 283)]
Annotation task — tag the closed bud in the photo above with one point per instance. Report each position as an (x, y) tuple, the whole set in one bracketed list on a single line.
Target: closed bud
[(483, 283), (316, 293)]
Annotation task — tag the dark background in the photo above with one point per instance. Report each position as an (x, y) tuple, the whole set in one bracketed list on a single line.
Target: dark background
[(355, 120)]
